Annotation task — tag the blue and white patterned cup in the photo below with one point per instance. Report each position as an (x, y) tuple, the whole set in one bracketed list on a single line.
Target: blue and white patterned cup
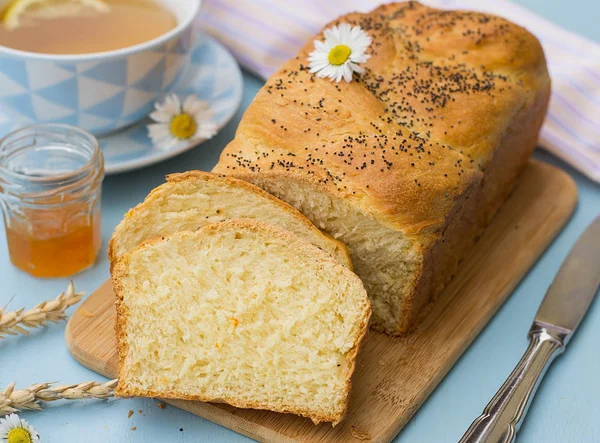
[(99, 92)]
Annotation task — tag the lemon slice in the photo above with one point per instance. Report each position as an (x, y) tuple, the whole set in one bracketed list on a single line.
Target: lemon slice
[(20, 11)]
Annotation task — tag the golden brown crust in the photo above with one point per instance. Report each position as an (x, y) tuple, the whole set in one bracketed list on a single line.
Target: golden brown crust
[(338, 248), (429, 140), (120, 271), (418, 143)]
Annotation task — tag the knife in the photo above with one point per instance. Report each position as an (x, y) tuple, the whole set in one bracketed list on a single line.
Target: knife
[(561, 311)]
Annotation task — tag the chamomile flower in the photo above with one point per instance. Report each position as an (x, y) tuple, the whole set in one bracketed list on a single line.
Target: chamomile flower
[(16, 430), (176, 123), (341, 52)]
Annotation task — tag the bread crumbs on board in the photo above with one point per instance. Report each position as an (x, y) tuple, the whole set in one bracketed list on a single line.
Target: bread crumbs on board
[(360, 435), (86, 313)]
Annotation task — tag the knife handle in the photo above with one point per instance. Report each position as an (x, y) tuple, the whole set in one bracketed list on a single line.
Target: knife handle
[(504, 414)]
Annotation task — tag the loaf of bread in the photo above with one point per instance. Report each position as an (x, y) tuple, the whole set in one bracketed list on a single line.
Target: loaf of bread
[(407, 163), (193, 199), (243, 313)]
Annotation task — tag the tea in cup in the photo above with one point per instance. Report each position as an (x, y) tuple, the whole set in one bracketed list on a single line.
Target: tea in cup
[(96, 64)]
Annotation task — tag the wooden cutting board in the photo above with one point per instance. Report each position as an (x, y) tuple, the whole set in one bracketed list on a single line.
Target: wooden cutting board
[(394, 376)]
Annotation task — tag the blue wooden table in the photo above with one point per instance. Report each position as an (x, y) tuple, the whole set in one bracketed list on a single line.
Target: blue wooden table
[(566, 408)]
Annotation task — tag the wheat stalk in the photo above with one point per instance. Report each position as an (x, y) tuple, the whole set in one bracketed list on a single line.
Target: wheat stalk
[(12, 400), (13, 323)]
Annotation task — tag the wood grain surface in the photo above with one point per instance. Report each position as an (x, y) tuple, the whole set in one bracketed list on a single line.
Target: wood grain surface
[(394, 376)]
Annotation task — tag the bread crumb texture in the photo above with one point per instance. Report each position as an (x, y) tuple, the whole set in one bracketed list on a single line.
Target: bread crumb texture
[(194, 199), (243, 313)]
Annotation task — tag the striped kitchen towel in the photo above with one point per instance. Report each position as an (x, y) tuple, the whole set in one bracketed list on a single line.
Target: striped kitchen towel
[(262, 34)]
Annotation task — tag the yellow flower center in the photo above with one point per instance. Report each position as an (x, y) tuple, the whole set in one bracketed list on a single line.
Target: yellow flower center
[(339, 54), (183, 126), (19, 435)]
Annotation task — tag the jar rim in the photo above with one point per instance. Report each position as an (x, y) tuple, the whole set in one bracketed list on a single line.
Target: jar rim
[(51, 127)]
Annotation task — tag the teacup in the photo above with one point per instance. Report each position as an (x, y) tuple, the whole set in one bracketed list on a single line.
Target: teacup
[(99, 92)]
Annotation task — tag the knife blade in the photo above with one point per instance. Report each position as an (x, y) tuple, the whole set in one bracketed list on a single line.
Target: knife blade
[(564, 306), (574, 287)]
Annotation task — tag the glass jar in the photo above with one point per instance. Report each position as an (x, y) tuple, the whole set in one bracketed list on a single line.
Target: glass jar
[(50, 185)]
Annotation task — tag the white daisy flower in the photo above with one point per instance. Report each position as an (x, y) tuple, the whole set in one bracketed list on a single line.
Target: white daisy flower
[(16, 430), (339, 55), (176, 123)]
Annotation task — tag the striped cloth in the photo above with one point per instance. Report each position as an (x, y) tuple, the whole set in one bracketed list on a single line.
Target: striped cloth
[(262, 34)]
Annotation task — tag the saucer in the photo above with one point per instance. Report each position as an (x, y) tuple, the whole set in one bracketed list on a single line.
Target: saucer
[(213, 76)]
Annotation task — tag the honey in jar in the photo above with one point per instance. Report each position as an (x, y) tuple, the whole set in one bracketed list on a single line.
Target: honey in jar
[(50, 178)]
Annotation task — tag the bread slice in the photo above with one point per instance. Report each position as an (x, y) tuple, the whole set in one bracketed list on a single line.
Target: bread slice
[(193, 199), (243, 313)]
